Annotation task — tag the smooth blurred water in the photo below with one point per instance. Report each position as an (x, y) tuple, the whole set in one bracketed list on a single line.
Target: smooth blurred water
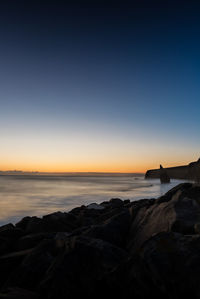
[(39, 195)]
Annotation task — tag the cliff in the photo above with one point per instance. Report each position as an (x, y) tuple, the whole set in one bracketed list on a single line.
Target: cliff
[(186, 172)]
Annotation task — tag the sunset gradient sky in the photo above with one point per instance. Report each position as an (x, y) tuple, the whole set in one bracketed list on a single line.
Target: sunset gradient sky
[(99, 86)]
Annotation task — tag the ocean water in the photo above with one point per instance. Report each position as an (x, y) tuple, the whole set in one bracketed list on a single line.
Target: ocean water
[(39, 195)]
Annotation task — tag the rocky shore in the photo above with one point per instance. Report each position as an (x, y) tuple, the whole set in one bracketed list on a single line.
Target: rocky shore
[(149, 247)]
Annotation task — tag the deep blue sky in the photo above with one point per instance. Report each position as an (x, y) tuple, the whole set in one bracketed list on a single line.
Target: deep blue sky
[(96, 85)]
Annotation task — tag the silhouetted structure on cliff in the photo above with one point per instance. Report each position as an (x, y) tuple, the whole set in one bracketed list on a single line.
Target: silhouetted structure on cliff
[(187, 172)]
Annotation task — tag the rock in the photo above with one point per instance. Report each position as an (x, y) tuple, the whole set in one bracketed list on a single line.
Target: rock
[(116, 202), (10, 231), (141, 249), (9, 235), (115, 230), (126, 201), (89, 216), (33, 266), (29, 224), (18, 293), (178, 215), (60, 239), (167, 266), (50, 223), (135, 206), (164, 177), (108, 214), (171, 192), (105, 204), (58, 221), (77, 270), (78, 210), (6, 227), (130, 279), (95, 206), (23, 222), (9, 263), (173, 262), (6, 245), (32, 240), (197, 228), (185, 172)]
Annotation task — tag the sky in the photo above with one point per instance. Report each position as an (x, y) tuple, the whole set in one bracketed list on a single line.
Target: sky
[(99, 85)]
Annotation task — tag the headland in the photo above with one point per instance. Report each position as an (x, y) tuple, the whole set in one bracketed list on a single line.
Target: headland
[(185, 172)]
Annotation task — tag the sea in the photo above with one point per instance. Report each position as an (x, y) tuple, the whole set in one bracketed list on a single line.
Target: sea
[(29, 195)]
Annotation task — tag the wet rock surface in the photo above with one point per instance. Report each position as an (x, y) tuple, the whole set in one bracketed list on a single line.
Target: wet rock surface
[(149, 247)]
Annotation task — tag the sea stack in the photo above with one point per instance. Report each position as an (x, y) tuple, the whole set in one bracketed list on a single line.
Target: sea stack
[(164, 177)]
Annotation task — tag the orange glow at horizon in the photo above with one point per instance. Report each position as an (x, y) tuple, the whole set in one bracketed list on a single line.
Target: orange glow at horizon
[(137, 167), (90, 153), (103, 166)]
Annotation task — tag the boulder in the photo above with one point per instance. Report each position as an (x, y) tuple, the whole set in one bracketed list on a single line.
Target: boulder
[(10, 231), (130, 279), (116, 202), (49, 223), (9, 263), (173, 262), (127, 201), (179, 214), (59, 221), (167, 266), (168, 196), (33, 266), (29, 224), (95, 206), (32, 240), (18, 293), (78, 269), (9, 236), (76, 211), (88, 216), (114, 230)]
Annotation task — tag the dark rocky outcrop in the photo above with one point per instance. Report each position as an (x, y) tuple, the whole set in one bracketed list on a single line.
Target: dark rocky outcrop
[(17, 293), (50, 223), (78, 269), (114, 230), (149, 247), (186, 172), (164, 177), (179, 212)]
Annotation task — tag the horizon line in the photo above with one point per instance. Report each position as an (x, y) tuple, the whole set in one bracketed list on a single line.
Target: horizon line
[(67, 172)]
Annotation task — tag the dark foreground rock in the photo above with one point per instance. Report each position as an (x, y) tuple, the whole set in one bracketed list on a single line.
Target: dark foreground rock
[(140, 249)]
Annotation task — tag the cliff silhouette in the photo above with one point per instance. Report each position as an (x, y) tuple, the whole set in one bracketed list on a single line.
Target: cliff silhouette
[(186, 172)]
